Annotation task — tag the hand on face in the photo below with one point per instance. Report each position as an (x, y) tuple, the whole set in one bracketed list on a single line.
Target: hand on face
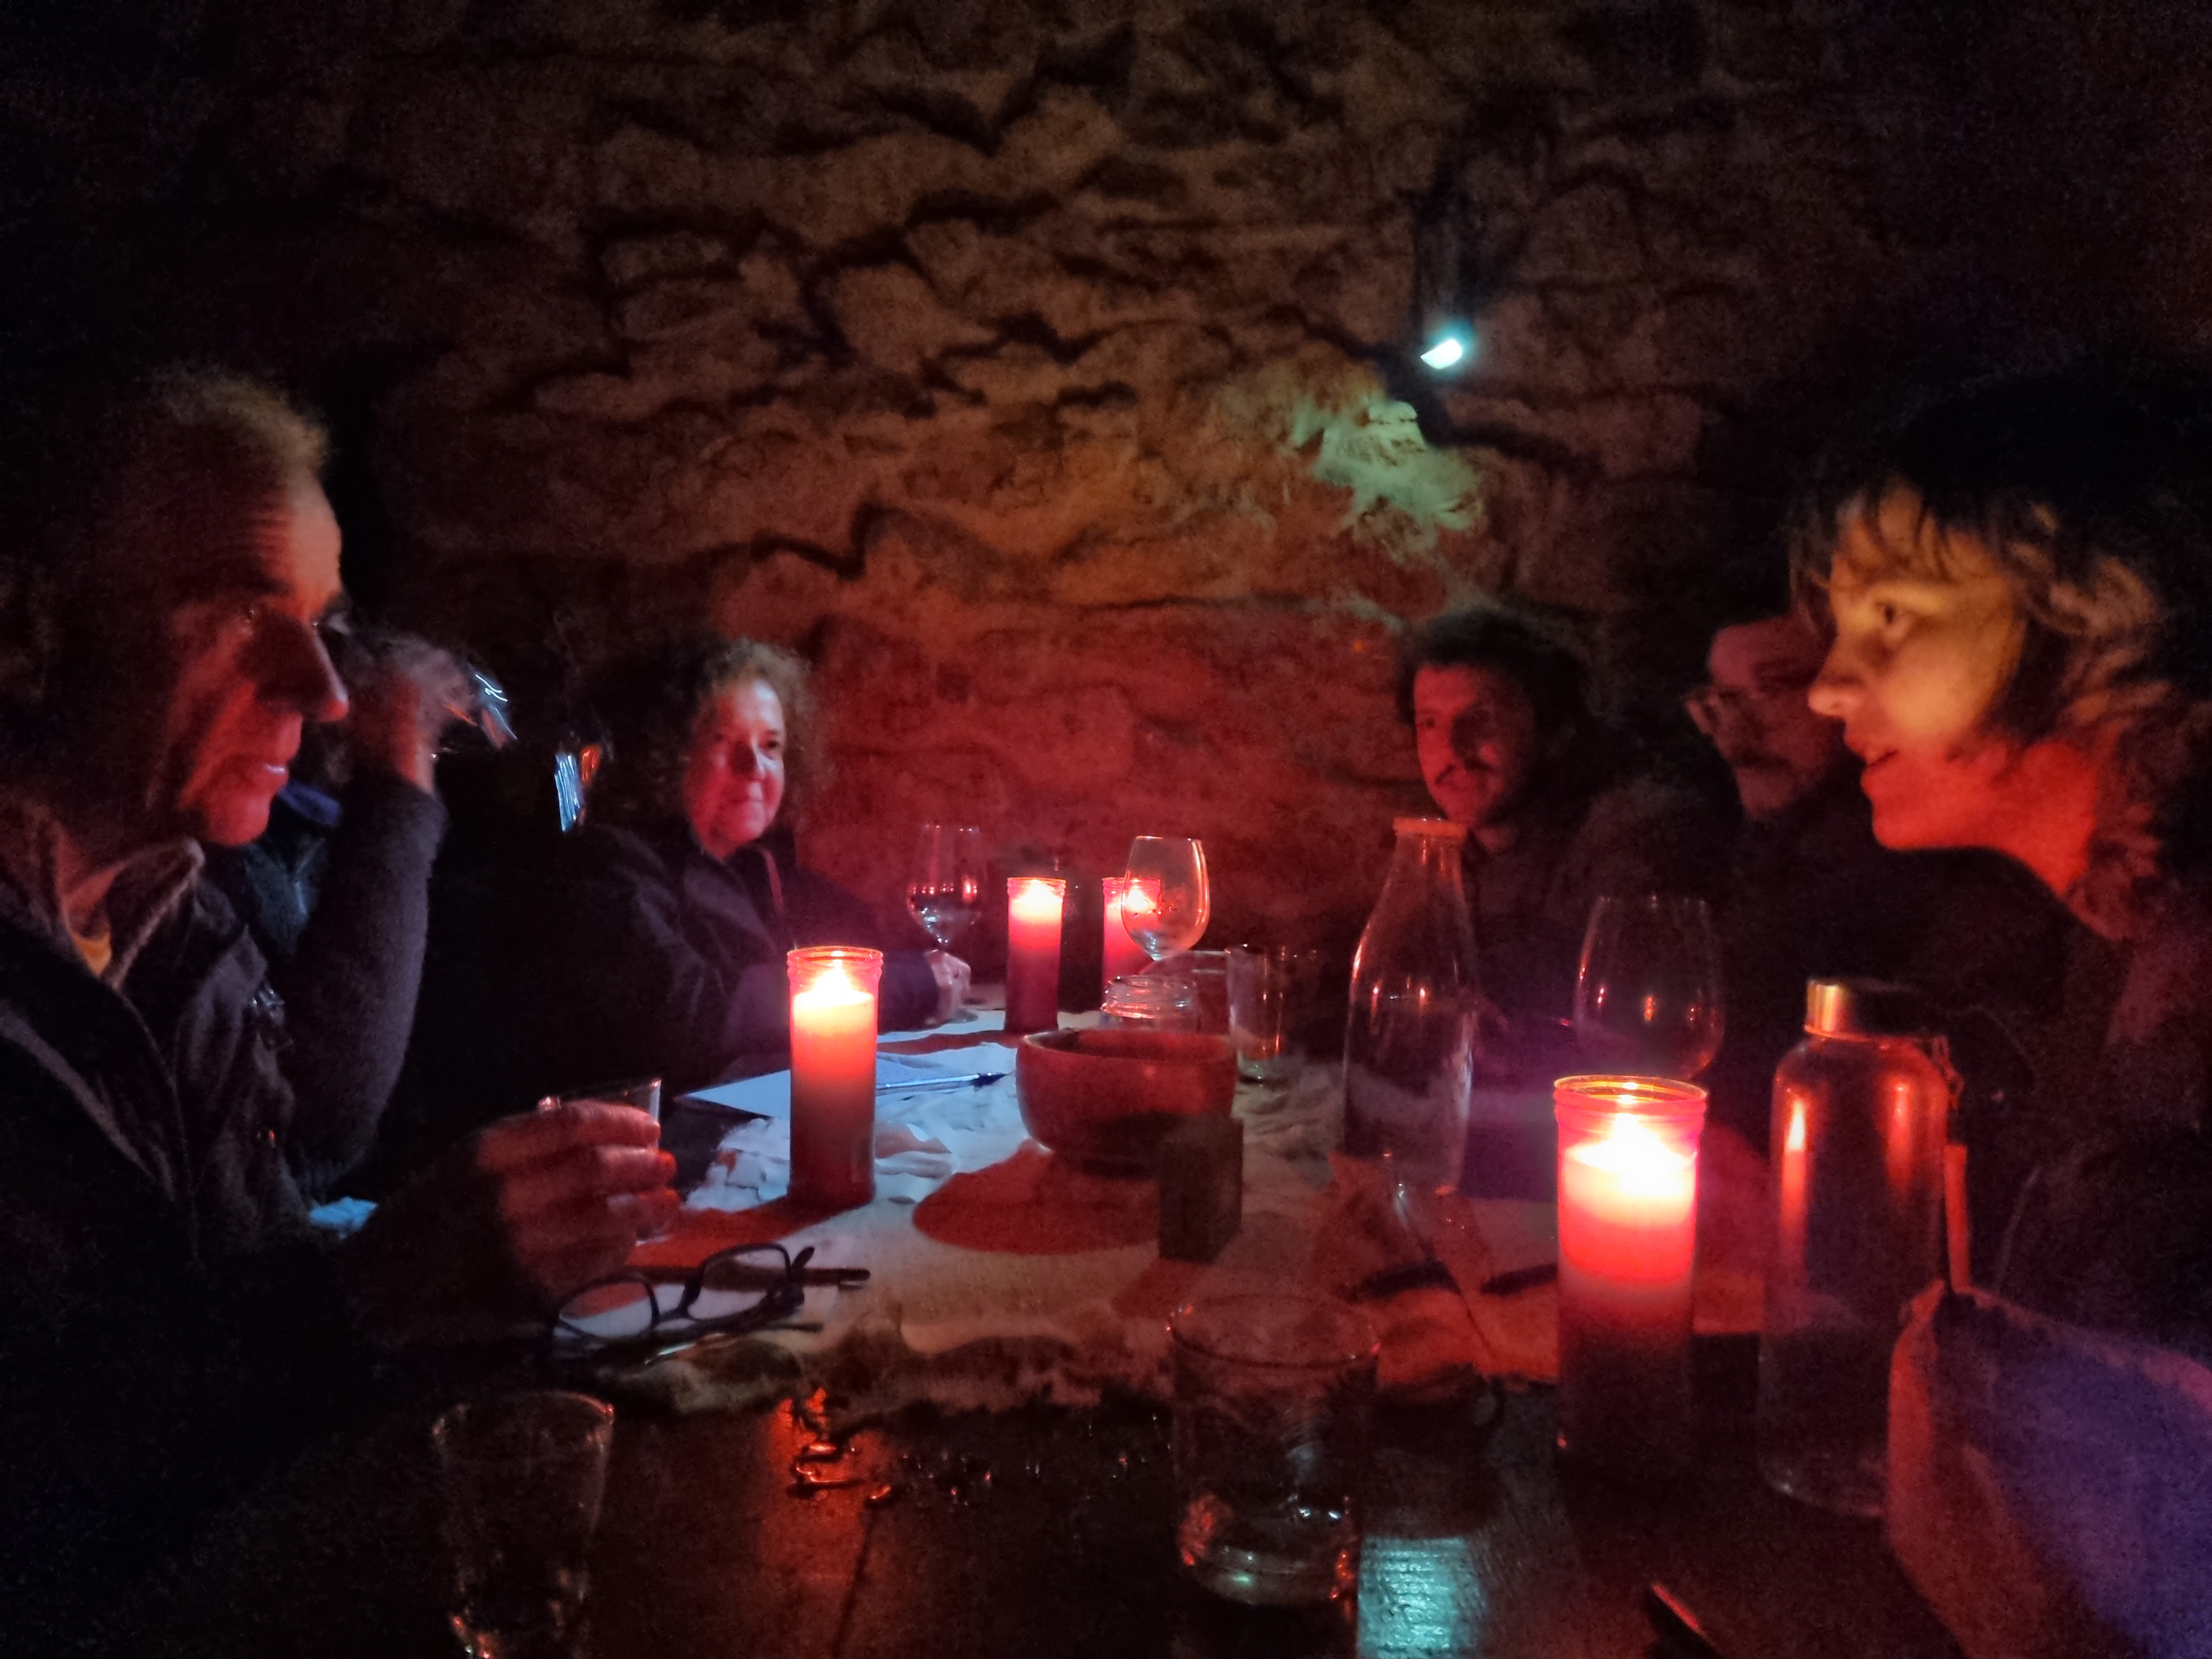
[(733, 774), (1752, 708), (1918, 664), (1475, 731)]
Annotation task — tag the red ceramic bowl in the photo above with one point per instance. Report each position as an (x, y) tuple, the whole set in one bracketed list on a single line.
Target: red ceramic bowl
[(1109, 1098)]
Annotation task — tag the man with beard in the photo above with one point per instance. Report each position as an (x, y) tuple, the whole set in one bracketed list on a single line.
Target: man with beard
[(1558, 813)]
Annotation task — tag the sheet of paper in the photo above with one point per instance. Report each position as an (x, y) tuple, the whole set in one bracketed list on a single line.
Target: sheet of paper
[(770, 1096)]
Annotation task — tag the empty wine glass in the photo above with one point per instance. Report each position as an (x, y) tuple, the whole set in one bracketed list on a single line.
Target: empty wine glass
[(945, 884), (1167, 904), (1647, 998)]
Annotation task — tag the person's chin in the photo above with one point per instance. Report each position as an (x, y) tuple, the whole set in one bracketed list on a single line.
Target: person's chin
[(234, 819)]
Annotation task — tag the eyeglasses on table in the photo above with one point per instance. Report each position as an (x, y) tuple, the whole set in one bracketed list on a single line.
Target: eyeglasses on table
[(747, 1287)]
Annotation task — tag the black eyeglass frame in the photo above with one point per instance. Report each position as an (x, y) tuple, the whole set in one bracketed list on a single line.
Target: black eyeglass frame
[(783, 1296)]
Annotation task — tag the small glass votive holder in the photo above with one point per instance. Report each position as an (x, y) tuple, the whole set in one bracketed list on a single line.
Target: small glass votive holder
[(1628, 1231), (522, 1476), (1271, 1399), (1151, 1002), (832, 1073)]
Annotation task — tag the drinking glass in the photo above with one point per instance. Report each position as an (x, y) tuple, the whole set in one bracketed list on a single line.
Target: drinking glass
[(522, 1476), (1271, 1402), (945, 884), (1648, 999), (1269, 990), (1167, 904)]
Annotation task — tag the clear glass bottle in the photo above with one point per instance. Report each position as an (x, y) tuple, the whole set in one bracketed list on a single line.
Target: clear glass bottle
[(1861, 1109), (1409, 1043)]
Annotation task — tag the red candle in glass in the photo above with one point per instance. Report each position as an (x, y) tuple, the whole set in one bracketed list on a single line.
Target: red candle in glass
[(1628, 1231), (1123, 956), (832, 1073), (1033, 908)]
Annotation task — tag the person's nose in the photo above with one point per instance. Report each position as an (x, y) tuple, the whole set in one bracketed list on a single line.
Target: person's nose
[(298, 675), (1835, 689), (747, 761)]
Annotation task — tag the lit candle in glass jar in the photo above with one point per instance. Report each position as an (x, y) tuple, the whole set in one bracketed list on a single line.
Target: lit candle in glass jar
[(1033, 907), (832, 1073), (1123, 956), (1628, 1230)]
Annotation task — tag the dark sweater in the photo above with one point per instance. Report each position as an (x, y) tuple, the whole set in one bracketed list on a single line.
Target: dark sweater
[(341, 913), (674, 963)]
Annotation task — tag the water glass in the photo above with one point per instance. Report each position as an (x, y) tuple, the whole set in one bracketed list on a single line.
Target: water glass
[(640, 1094), (1269, 988), (522, 1477), (1272, 1396)]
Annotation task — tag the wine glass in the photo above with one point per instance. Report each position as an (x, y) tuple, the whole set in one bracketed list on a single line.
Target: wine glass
[(1647, 998), (945, 884), (1168, 902)]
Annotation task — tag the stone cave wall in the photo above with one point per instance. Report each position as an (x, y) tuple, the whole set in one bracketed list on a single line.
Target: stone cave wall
[(1040, 368)]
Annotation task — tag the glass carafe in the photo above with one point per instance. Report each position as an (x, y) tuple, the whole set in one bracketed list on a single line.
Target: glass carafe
[(1860, 1108), (1409, 1044)]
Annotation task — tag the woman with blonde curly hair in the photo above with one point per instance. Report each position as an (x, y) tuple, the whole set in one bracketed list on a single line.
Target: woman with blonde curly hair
[(2021, 579), (690, 891)]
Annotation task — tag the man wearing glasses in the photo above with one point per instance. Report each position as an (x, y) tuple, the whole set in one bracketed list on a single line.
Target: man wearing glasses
[(168, 1320), (1812, 893)]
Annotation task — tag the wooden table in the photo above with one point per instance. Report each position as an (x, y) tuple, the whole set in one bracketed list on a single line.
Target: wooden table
[(1040, 1531), (1045, 1532)]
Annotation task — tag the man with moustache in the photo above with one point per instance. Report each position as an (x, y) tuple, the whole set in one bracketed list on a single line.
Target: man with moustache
[(1558, 811), (169, 1324)]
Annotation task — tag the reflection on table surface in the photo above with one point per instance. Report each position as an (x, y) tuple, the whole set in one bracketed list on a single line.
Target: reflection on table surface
[(1050, 1532)]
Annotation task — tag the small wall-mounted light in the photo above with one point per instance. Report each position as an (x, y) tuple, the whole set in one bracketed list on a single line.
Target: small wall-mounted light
[(1450, 351)]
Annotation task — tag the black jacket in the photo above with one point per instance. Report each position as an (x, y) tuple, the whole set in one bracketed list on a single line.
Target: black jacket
[(674, 961), (167, 1324)]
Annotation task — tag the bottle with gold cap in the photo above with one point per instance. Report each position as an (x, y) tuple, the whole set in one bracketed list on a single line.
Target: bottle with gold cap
[(1861, 1109)]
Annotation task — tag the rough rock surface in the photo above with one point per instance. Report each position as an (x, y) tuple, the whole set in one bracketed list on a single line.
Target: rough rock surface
[(1043, 368)]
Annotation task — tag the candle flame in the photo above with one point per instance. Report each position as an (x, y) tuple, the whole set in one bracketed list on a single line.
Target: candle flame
[(1036, 899), (834, 989), (1143, 898), (1632, 1152)]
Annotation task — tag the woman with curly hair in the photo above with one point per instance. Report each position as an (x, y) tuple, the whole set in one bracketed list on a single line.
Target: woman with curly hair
[(2021, 579), (690, 891)]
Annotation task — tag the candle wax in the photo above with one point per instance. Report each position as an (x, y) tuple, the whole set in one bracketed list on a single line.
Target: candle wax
[(833, 1090), (1627, 1243)]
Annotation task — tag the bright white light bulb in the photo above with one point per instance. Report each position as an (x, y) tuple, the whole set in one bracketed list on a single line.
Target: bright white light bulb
[(1445, 352)]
